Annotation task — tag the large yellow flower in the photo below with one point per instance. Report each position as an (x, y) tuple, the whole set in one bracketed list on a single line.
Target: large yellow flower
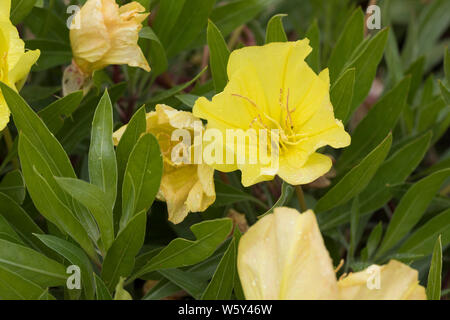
[(107, 34), (272, 87), (283, 256), (184, 187), (15, 63)]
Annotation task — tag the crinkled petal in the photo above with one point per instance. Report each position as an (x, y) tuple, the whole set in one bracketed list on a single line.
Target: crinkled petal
[(23, 66), (393, 281), (283, 256)]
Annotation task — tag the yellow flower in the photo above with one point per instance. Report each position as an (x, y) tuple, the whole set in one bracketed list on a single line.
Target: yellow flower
[(184, 187), (283, 256), (107, 34), (272, 87), (15, 63)]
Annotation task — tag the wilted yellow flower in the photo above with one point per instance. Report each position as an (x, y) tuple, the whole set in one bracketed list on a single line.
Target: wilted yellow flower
[(271, 87), (107, 34), (283, 256), (15, 63), (184, 187)]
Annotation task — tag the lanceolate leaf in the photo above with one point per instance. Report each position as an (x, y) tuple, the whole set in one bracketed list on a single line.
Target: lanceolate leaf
[(13, 186), (275, 30), (96, 201), (31, 265), (221, 285), (366, 59), (102, 158), (350, 38), (48, 196), (75, 256), (380, 120), (14, 287), (120, 259), (356, 179), (218, 56), (342, 94), (423, 240), (135, 129), (411, 208), (142, 178), (313, 34), (181, 252), (435, 274)]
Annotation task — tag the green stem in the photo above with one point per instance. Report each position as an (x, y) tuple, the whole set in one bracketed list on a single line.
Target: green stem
[(9, 144), (301, 198)]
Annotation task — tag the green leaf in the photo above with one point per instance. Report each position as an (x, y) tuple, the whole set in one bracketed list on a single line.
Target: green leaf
[(341, 94), (286, 194), (160, 97), (175, 15), (181, 252), (275, 30), (218, 56), (45, 155), (313, 34), (156, 52), (435, 274), (393, 60), (20, 9), (102, 158), (102, 292), (96, 201), (13, 185), (445, 93), (20, 220), (354, 225), (423, 239), (226, 194), (411, 208), (142, 178), (222, 283), (396, 169), (31, 265), (48, 196), (188, 281), (365, 60), (15, 287), (416, 72), (447, 66), (356, 179), (75, 256), (348, 41), (54, 114), (374, 239), (135, 129), (380, 120), (77, 128), (8, 233), (120, 259), (233, 14)]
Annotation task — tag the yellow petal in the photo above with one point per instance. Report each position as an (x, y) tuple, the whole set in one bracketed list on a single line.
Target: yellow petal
[(5, 6), (316, 166), (23, 66), (4, 113), (108, 35), (271, 87), (184, 187), (393, 281), (283, 256), (90, 42)]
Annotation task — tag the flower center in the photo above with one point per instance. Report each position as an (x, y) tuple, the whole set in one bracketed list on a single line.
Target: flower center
[(285, 126)]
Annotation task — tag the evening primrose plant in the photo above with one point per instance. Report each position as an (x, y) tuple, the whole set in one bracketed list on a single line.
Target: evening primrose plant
[(224, 150)]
